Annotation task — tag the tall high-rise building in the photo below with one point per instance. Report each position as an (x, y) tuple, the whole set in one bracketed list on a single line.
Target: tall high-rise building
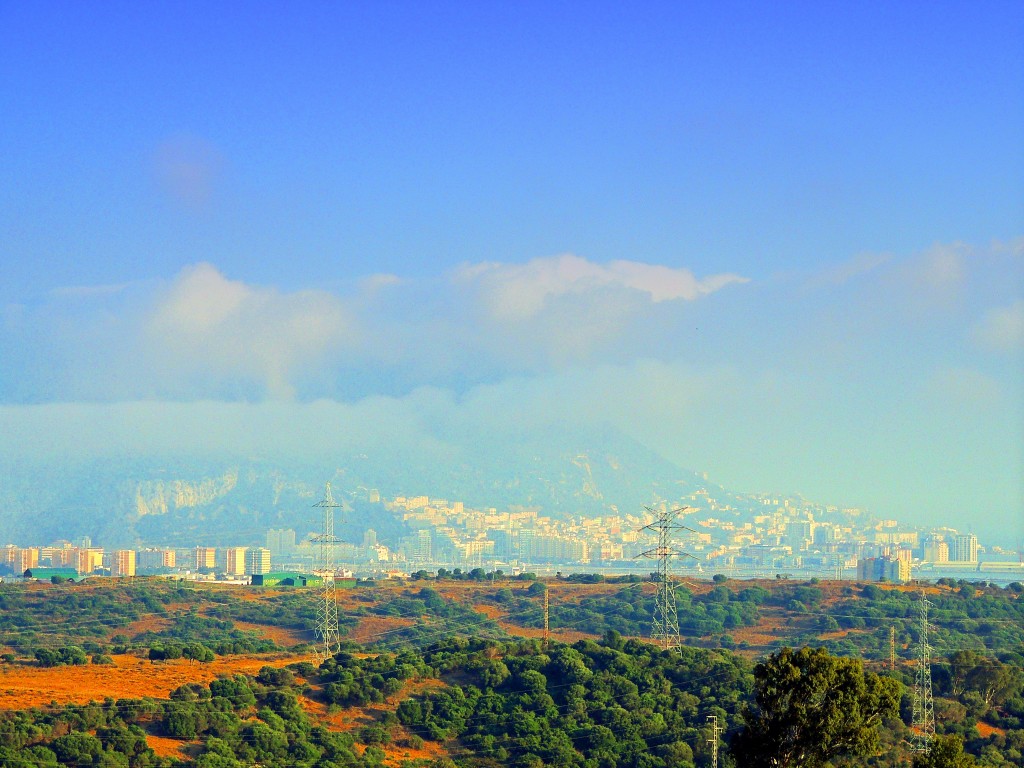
[(20, 559), (370, 538), (65, 557), (89, 559), (525, 542), (964, 549), (30, 558), (281, 541), (799, 534), (887, 568), (234, 561), (206, 558), (156, 560), (258, 560), (825, 534), (424, 545), (936, 550), (122, 562)]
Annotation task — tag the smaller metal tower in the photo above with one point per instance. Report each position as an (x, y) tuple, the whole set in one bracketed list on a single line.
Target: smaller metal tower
[(713, 741), (923, 723), (546, 623), (665, 628), (327, 612)]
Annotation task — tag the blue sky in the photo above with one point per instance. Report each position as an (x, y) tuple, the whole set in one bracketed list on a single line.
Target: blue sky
[(799, 226)]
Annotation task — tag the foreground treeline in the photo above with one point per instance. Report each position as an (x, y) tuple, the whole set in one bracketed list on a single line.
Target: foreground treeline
[(452, 680), (233, 722), (609, 703), (593, 704), (479, 703)]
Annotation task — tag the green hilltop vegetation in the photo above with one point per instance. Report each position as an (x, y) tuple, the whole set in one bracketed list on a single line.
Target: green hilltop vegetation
[(445, 680)]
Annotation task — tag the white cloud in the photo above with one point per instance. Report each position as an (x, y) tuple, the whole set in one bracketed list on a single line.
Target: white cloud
[(520, 291), (1002, 328), (844, 272), (207, 323)]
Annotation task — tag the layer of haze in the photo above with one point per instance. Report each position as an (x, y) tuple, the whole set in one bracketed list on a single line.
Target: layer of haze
[(781, 246)]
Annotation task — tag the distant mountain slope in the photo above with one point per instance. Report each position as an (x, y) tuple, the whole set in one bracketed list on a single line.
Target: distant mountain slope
[(181, 502)]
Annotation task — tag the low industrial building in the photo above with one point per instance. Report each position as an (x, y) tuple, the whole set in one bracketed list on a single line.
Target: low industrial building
[(286, 579), (47, 574)]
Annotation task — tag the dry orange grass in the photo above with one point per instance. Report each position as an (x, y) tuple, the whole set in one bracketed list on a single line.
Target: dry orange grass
[(371, 628), (145, 624), (280, 635), (165, 747), (561, 635), (755, 636), (490, 611), (987, 730), (128, 677)]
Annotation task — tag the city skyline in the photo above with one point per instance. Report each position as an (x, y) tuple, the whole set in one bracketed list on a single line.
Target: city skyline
[(782, 536), (780, 245)]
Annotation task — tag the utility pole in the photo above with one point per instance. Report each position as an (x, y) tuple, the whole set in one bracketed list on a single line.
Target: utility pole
[(327, 610), (665, 628), (546, 623), (923, 723), (713, 741), (892, 647)]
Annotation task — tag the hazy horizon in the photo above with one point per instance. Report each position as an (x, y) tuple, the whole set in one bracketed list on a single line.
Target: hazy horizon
[(784, 246)]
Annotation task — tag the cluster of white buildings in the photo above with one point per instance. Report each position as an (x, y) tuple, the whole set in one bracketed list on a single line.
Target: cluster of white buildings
[(765, 534)]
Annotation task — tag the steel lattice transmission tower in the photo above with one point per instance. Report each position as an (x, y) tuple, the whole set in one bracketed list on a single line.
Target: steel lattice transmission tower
[(713, 741), (547, 626), (328, 636), (923, 724), (665, 628)]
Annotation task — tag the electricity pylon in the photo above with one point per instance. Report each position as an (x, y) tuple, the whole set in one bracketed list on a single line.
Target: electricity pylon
[(713, 741), (923, 723), (329, 638), (665, 628), (546, 623)]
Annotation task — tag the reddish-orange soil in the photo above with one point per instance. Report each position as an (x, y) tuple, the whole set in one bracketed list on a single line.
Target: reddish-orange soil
[(490, 611), (145, 624), (562, 635), (165, 747), (128, 677), (371, 628), (280, 635), (987, 730)]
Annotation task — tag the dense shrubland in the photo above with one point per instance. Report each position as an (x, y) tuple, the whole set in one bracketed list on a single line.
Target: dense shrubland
[(455, 678)]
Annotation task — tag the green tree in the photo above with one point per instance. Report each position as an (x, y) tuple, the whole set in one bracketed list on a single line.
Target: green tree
[(196, 652), (77, 748), (945, 752), (991, 679), (810, 707)]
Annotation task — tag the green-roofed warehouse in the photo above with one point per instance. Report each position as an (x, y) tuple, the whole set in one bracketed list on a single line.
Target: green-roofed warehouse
[(45, 574), (286, 579)]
